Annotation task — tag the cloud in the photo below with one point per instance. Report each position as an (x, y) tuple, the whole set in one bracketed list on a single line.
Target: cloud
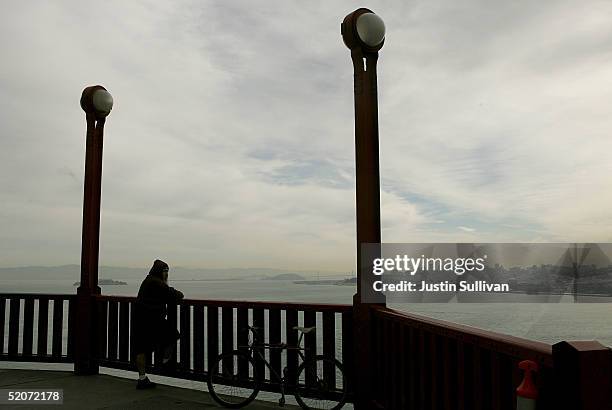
[(231, 139)]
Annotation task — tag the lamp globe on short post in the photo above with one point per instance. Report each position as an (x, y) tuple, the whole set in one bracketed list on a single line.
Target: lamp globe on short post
[(97, 103)]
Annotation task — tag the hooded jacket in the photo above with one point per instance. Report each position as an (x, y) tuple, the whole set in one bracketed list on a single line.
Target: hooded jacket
[(154, 294)]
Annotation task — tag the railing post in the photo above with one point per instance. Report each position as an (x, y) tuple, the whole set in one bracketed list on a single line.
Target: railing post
[(583, 375), (86, 360), (362, 380)]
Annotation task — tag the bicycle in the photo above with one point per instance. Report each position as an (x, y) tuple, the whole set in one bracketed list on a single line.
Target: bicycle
[(235, 380)]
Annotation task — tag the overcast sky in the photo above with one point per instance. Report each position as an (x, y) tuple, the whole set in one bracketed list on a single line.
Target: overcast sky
[(231, 142)]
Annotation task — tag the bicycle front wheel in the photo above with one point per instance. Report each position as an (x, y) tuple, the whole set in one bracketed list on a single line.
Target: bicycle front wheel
[(321, 384), (232, 380)]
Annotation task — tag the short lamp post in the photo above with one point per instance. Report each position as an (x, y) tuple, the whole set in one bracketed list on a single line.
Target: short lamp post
[(97, 104), (363, 33)]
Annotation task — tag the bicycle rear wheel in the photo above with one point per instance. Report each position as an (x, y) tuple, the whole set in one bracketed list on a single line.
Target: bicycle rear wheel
[(232, 380), (321, 384)]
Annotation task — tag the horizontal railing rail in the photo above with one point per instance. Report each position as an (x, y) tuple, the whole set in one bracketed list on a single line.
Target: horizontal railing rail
[(210, 327), (46, 330), (436, 364)]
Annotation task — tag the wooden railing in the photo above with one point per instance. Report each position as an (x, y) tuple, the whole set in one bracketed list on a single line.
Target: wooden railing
[(419, 362), (435, 364), (210, 327), (46, 330)]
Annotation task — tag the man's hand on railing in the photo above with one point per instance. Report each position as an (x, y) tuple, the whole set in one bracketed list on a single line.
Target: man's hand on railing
[(174, 295)]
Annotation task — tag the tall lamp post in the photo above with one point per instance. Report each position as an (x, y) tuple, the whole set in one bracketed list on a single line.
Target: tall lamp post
[(363, 33), (97, 104)]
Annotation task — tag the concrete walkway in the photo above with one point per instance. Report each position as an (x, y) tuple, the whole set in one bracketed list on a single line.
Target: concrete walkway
[(110, 392)]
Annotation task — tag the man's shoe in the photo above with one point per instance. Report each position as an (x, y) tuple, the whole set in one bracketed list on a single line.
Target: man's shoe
[(145, 384)]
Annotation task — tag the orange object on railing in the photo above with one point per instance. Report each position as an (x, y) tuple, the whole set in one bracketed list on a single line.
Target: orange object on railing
[(527, 393)]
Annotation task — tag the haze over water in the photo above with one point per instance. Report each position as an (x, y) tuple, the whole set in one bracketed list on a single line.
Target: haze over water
[(546, 322)]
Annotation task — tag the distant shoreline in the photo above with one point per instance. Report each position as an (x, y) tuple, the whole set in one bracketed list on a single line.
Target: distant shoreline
[(206, 280), (104, 282), (340, 282)]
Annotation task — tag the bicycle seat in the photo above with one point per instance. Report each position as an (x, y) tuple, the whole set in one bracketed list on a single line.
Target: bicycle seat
[(304, 329)]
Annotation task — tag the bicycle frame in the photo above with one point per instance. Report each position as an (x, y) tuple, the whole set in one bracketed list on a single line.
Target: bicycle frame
[(255, 348)]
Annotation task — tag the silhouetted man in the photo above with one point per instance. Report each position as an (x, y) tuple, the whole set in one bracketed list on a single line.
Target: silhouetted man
[(152, 331)]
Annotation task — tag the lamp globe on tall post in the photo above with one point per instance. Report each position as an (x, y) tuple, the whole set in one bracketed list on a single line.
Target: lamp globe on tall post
[(363, 33), (97, 103)]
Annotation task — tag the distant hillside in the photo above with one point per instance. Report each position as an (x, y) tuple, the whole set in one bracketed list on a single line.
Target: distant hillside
[(65, 272), (73, 272)]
